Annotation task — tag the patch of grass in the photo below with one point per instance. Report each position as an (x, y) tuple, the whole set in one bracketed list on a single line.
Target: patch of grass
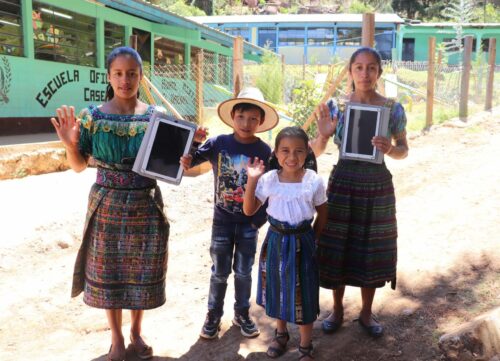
[(444, 113), (474, 129), (441, 114)]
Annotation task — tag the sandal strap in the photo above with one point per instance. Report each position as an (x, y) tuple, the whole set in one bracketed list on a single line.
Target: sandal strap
[(306, 351), (281, 337)]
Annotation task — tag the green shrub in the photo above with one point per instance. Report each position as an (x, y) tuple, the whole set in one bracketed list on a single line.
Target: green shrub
[(270, 78), (305, 98)]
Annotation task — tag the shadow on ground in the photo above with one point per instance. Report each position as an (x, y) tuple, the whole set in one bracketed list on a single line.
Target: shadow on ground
[(411, 332)]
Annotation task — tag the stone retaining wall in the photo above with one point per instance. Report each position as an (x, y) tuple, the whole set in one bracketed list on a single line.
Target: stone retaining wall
[(21, 160)]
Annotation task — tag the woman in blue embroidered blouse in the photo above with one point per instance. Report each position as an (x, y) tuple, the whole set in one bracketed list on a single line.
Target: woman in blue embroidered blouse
[(122, 261), (358, 245)]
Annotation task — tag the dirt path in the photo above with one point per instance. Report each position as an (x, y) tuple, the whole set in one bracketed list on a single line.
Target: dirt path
[(448, 194)]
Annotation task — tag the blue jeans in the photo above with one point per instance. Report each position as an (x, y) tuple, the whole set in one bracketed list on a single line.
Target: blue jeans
[(240, 240)]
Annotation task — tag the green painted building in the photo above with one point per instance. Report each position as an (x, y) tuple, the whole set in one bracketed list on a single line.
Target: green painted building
[(413, 39), (53, 52)]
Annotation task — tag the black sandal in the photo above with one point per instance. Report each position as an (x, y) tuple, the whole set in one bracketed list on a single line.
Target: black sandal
[(306, 351), (281, 339)]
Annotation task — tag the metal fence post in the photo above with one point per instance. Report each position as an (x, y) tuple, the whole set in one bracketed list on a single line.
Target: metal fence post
[(464, 84)]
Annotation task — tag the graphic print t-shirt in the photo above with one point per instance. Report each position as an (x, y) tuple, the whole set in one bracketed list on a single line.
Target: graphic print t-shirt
[(229, 160)]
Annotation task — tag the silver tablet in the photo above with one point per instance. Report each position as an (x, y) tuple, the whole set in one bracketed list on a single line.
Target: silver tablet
[(165, 141), (362, 123)]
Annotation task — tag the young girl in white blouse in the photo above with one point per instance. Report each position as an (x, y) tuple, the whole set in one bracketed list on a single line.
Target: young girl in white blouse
[(288, 285)]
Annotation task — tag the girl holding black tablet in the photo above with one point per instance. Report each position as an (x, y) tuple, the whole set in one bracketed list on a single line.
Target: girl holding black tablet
[(358, 245), (122, 261)]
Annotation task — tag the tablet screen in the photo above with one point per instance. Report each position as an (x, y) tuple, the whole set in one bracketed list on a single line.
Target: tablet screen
[(361, 129), (166, 150)]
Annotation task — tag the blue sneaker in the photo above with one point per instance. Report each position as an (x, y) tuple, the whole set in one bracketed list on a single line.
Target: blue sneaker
[(211, 327), (246, 324)]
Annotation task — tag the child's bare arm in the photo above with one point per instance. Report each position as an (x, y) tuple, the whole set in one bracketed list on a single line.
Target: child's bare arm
[(254, 170), (321, 219)]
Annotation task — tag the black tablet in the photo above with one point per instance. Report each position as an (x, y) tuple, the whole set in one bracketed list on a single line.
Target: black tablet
[(361, 123), (165, 141)]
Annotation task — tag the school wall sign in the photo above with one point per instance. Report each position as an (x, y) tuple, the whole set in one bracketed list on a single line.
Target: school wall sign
[(48, 85)]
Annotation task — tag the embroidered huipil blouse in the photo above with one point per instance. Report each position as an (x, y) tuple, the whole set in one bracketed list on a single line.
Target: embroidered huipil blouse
[(113, 139)]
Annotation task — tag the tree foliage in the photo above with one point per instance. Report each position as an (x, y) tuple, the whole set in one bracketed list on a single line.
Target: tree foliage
[(421, 9), (178, 7), (460, 12), (359, 7), (424, 10)]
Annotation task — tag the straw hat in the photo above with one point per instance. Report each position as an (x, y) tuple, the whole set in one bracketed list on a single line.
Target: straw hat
[(251, 96)]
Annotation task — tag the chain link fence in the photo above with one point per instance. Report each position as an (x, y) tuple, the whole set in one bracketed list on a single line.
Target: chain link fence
[(190, 91), (194, 91), (406, 82)]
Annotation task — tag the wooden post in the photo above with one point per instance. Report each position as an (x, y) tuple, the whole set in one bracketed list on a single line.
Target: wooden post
[(368, 30), (133, 41), (492, 52), (199, 87), (237, 65), (430, 83), (464, 83)]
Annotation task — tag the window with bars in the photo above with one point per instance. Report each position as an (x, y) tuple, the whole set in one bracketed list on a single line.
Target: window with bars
[(267, 38), (291, 36), (64, 36), (453, 44), (11, 30), (243, 32), (320, 36), (114, 36), (349, 36), (168, 52), (383, 42)]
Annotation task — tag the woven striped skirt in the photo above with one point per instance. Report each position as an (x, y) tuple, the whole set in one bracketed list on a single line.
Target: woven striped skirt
[(358, 244), (122, 263), (288, 285)]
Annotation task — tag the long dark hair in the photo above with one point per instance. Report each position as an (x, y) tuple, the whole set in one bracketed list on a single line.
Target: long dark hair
[(294, 132), (368, 50), (120, 51)]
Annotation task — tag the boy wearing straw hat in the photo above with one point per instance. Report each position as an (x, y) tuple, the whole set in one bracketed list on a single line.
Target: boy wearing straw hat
[(234, 235)]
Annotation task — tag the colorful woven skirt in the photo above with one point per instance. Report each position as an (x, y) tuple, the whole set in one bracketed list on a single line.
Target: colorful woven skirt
[(122, 263), (358, 244), (288, 285)]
